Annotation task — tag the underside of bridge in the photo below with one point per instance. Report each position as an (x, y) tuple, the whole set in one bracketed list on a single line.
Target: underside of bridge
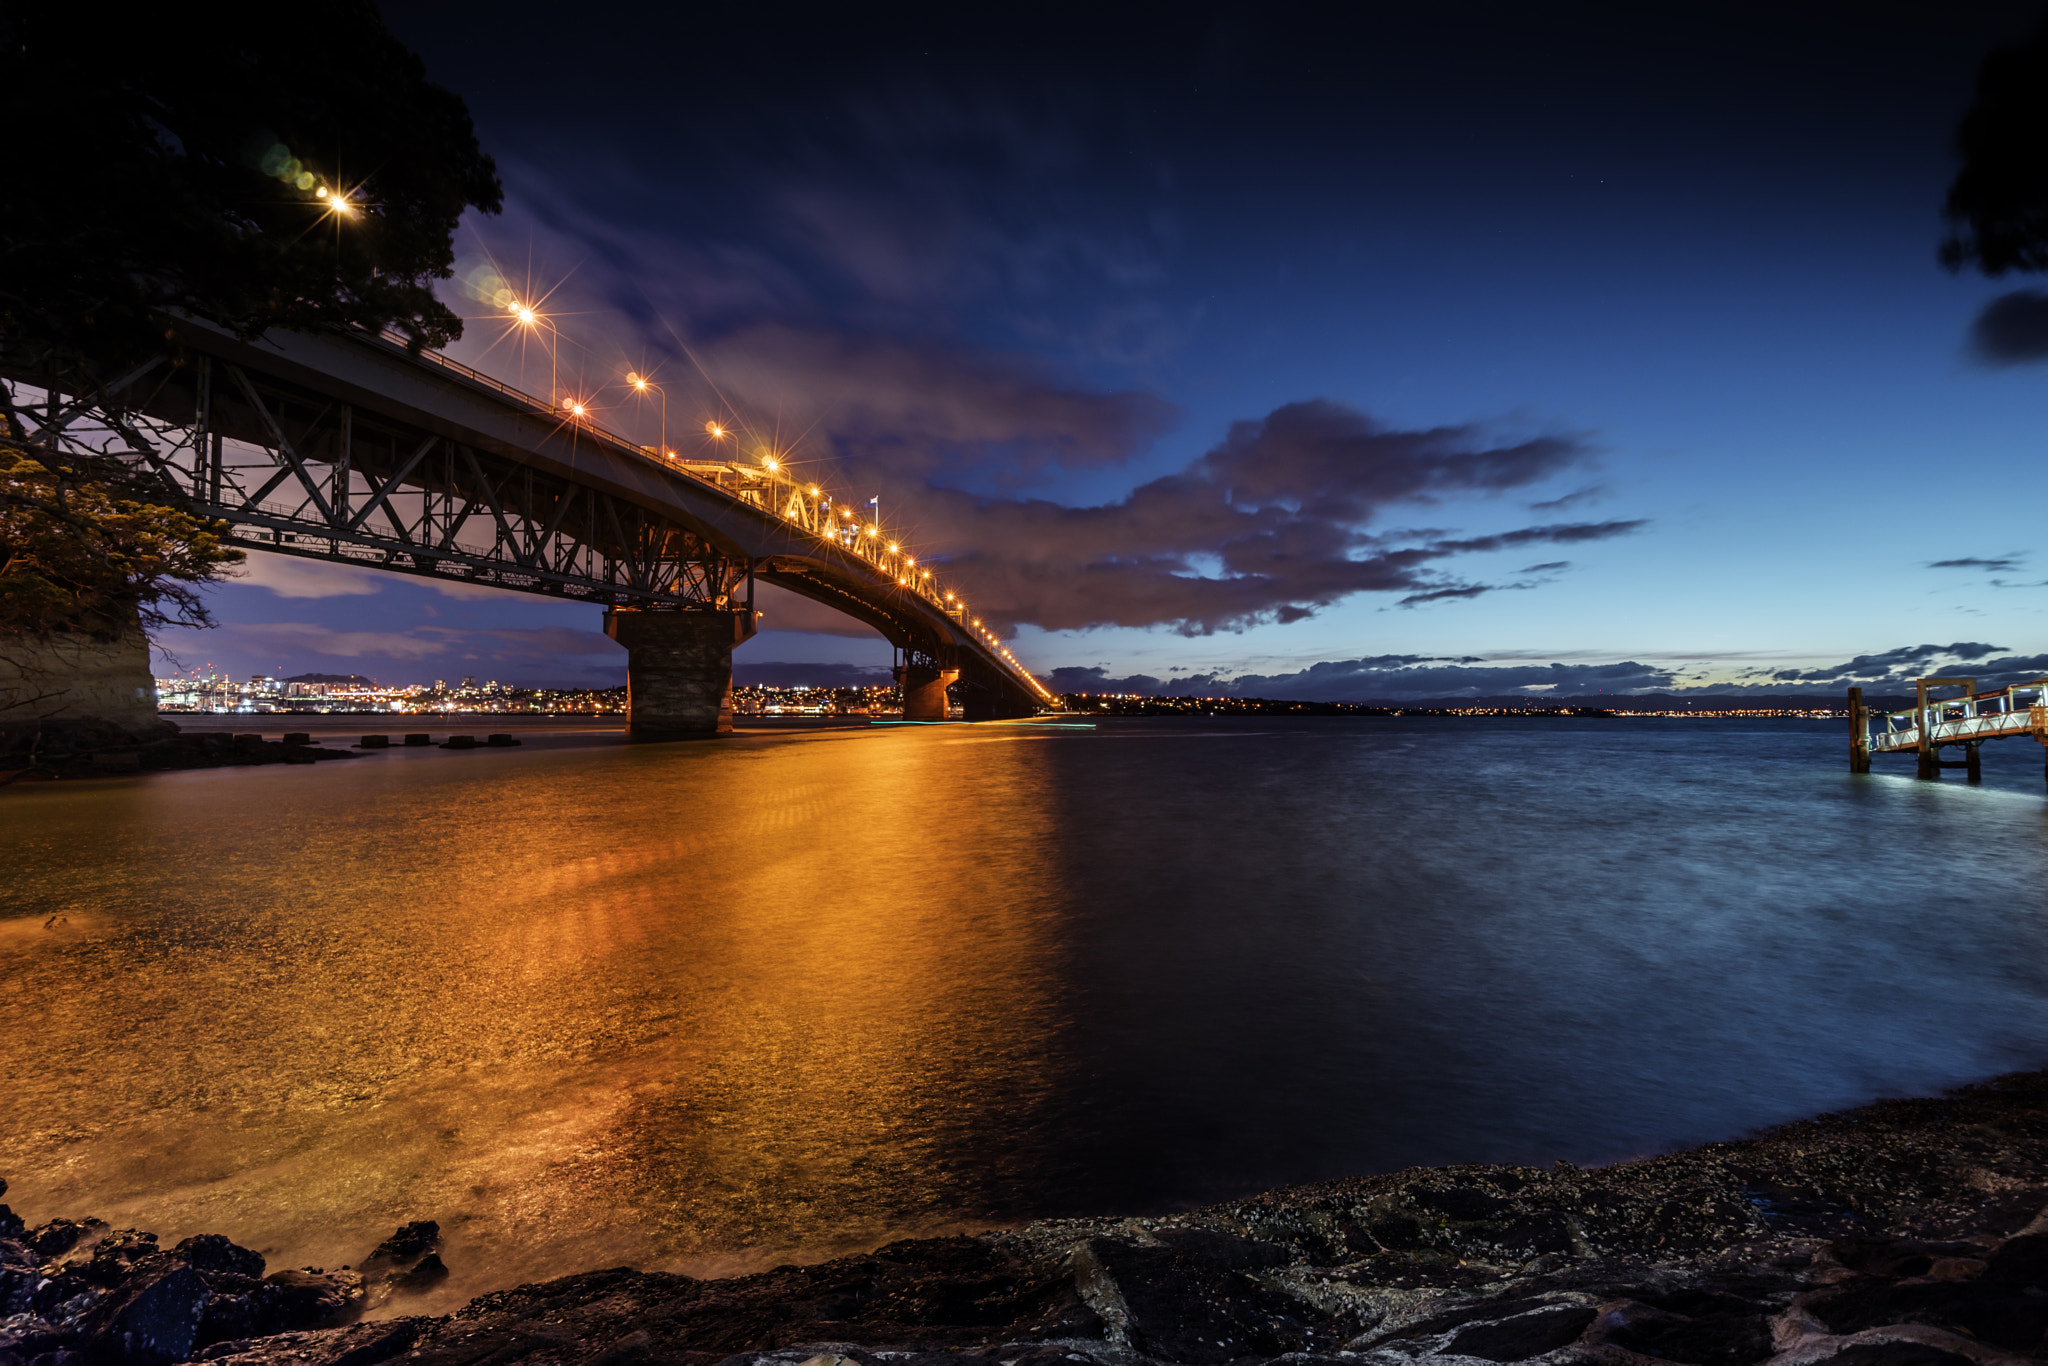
[(345, 448)]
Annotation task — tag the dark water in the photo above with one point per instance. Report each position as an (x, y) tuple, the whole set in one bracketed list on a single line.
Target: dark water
[(724, 1005)]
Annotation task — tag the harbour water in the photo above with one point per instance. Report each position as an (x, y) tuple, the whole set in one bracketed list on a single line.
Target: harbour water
[(714, 1007)]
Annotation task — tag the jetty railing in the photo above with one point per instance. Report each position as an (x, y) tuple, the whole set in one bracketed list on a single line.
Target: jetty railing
[(2019, 710)]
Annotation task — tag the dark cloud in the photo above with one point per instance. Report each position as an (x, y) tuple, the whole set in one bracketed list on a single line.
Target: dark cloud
[(1589, 493), (911, 410), (1547, 567), (1272, 524), (1418, 678), (1098, 680), (2003, 564), (1908, 662), (1445, 594), (1411, 678), (2012, 329)]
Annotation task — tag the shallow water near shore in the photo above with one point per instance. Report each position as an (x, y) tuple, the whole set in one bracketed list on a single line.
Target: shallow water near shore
[(714, 1007)]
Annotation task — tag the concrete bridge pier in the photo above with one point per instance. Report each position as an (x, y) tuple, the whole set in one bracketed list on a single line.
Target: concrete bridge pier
[(678, 670), (924, 691)]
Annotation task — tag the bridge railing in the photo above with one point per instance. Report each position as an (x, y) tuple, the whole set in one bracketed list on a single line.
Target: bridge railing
[(2018, 709)]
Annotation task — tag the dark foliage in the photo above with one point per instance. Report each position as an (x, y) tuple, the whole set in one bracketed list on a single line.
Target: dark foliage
[(175, 157), (1998, 205)]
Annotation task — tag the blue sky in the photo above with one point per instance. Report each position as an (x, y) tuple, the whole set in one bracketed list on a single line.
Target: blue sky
[(1671, 274)]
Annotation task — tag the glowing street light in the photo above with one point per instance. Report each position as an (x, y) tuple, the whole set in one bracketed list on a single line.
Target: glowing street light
[(641, 384), (717, 432)]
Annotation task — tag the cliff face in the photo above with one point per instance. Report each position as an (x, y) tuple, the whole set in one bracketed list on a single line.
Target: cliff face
[(77, 677), (1904, 1234)]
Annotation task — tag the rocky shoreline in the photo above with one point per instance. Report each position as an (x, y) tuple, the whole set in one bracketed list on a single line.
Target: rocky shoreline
[(1906, 1233), (53, 750)]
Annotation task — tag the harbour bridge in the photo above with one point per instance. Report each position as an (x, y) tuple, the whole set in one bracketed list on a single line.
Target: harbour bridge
[(346, 447)]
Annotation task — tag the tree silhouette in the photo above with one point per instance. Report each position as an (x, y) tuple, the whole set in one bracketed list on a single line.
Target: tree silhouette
[(259, 165)]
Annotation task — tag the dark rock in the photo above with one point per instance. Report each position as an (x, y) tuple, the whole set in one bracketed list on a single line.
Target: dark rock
[(56, 1238), (427, 1273), (2002, 1315), (11, 1225), (2019, 1262), (363, 1344), (212, 1252), (152, 1319), (460, 742), (418, 741), (501, 740), (1740, 1338), (404, 1247), (1525, 1335), (1894, 1354)]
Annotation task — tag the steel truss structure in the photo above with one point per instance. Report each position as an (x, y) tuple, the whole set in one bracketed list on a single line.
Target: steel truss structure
[(291, 472)]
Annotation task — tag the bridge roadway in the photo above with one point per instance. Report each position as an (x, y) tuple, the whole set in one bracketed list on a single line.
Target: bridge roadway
[(344, 447)]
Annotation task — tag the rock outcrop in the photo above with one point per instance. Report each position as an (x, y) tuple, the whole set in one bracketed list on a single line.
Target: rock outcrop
[(1909, 1233)]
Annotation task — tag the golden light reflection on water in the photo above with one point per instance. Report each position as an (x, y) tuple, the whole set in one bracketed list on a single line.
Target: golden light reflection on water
[(711, 1006)]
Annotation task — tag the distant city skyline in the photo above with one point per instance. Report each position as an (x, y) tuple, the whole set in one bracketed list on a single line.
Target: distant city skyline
[(1346, 358)]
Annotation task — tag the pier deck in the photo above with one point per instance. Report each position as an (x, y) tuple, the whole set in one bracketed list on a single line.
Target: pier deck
[(1933, 724)]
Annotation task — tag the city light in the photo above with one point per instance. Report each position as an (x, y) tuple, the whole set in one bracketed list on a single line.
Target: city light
[(717, 432)]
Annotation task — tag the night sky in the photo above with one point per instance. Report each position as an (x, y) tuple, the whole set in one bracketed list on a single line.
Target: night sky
[(1324, 352)]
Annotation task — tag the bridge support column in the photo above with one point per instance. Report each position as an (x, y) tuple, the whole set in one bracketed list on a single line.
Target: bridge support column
[(678, 670), (1973, 766), (924, 692)]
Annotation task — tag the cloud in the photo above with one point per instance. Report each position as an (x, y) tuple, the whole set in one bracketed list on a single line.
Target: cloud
[(291, 577), (1587, 494), (923, 410), (1900, 666), (2011, 330), (2003, 564), (1274, 523), (1409, 678), (1271, 524), (1445, 594), (1547, 567)]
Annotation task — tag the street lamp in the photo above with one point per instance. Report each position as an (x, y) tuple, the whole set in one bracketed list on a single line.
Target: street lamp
[(641, 384)]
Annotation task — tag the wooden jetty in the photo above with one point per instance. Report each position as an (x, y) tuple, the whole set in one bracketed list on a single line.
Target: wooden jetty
[(1963, 722)]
